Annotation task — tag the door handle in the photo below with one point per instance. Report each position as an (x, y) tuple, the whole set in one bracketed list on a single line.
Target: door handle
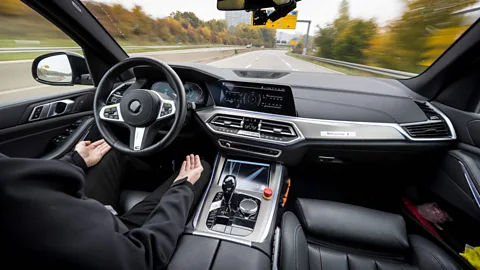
[(51, 109)]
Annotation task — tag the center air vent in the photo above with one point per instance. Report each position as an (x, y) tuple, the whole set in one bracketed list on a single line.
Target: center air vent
[(249, 127), (275, 128), (429, 130)]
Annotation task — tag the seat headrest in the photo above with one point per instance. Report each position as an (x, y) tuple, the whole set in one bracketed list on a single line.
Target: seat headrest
[(354, 225)]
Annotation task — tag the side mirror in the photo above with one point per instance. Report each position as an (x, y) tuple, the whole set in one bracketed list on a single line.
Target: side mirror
[(61, 68), (250, 4)]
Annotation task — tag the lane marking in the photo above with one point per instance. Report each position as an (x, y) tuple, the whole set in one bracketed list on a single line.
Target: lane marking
[(257, 58), (230, 58), (248, 66)]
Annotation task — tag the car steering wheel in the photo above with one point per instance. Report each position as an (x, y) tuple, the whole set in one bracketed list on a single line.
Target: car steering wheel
[(141, 111)]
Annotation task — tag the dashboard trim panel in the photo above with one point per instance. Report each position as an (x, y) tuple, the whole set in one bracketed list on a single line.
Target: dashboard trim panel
[(308, 128)]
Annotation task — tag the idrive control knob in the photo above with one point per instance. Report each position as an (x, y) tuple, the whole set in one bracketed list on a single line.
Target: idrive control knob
[(248, 207)]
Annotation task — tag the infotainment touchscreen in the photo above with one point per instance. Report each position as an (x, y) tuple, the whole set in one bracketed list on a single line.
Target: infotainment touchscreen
[(250, 176), (277, 99)]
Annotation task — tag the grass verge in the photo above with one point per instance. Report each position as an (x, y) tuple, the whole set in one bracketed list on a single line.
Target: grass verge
[(32, 55), (344, 70)]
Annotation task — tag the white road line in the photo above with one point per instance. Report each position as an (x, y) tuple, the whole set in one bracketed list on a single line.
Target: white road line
[(230, 58), (295, 69), (257, 58), (22, 89), (248, 66)]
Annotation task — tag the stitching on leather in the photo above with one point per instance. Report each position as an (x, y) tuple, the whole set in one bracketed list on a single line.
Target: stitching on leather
[(320, 252), (281, 240), (302, 212), (295, 245), (363, 252), (348, 262), (431, 254)]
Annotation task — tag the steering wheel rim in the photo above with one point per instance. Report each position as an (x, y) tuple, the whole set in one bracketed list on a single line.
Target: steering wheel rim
[(151, 99)]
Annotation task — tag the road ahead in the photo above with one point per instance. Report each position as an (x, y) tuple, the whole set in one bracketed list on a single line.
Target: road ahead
[(17, 81), (269, 59)]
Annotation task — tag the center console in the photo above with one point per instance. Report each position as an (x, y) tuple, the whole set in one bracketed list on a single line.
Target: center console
[(233, 227), (234, 207)]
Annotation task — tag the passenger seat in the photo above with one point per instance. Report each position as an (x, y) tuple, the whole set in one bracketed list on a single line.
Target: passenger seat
[(330, 235)]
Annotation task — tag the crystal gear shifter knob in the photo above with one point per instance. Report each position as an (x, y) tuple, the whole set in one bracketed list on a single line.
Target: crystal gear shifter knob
[(228, 187)]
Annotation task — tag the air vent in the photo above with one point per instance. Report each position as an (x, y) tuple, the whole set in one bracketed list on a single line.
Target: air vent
[(429, 130), (428, 111), (275, 128), (228, 121)]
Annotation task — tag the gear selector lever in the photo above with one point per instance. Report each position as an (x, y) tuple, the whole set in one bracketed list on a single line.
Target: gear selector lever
[(228, 187)]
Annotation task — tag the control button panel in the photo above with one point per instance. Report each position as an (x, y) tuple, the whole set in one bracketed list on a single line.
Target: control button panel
[(166, 109), (249, 148), (111, 113), (235, 221), (60, 139)]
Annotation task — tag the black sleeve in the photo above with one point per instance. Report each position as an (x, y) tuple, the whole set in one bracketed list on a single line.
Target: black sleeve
[(44, 217), (75, 159)]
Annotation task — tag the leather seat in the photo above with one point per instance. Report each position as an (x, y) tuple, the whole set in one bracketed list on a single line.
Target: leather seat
[(129, 198), (327, 235)]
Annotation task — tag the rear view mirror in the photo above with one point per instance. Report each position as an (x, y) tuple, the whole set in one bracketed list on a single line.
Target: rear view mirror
[(250, 4), (60, 68)]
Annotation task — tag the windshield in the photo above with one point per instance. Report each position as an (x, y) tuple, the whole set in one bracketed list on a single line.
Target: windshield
[(404, 37)]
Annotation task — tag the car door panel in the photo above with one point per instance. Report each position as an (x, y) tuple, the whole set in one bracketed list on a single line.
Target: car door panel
[(22, 137), (458, 181)]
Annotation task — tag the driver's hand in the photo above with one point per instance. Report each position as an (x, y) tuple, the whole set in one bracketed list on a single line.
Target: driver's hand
[(191, 168), (92, 153)]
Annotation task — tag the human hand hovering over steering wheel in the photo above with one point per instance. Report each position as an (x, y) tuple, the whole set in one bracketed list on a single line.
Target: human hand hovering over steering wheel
[(92, 153)]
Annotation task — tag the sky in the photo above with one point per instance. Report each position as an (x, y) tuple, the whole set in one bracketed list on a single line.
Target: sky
[(320, 12)]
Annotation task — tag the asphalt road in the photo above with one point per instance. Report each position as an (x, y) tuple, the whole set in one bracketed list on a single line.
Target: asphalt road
[(18, 83), (269, 59)]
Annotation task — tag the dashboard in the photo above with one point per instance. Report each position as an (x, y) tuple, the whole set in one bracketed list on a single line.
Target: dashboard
[(289, 116)]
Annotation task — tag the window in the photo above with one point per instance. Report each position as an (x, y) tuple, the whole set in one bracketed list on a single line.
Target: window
[(24, 35)]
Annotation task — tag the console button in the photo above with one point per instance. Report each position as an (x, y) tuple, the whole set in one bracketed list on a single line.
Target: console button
[(240, 231), (267, 193), (219, 228)]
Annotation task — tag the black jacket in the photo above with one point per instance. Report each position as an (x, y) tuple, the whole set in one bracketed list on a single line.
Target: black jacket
[(45, 220)]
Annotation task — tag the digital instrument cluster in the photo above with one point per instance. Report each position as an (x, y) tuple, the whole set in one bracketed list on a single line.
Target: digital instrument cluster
[(193, 91), (257, 97)]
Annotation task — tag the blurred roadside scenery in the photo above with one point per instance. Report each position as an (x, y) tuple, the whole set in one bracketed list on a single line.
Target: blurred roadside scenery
[(411, 42), (24, 27)]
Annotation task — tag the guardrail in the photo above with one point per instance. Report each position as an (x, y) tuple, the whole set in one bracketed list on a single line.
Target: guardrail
[(376, 70), (50, 49)]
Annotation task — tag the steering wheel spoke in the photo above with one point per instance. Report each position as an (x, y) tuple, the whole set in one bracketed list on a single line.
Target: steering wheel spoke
[(141, 137), (167, 110), (111, 113)]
